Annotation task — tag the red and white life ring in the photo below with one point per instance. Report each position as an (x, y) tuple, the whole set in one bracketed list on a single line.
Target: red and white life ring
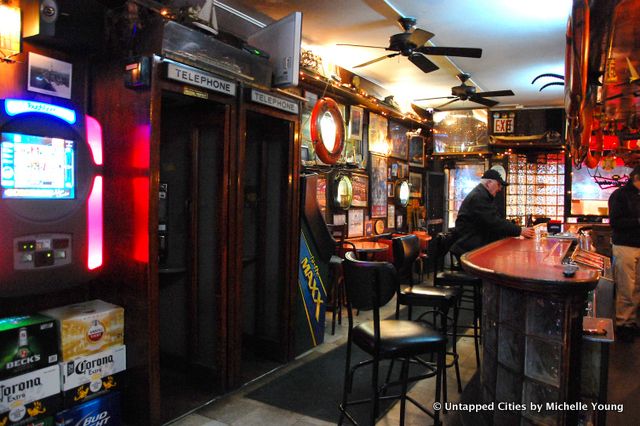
[(323, 106)]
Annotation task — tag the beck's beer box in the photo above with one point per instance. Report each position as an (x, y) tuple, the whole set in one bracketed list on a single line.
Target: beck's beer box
[(90, 376), (103, 411), (29, 398), (89, 327), (27, 343)]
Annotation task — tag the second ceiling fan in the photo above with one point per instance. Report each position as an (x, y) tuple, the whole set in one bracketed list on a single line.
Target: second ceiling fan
[(465, 92), (411, 43)]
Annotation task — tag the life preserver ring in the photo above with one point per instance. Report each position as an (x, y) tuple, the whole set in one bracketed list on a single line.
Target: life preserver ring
[(322, 107)]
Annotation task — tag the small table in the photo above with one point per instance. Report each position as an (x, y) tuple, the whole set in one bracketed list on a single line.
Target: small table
[(365, 249)]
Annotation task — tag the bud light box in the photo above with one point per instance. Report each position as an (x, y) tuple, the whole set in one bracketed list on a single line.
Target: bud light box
[(89, 327), (103, 411), (88, 377), (27, 343), (30, 397)]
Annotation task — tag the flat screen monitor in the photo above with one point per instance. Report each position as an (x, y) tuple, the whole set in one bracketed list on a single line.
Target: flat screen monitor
[(589, 198), (37, 167)]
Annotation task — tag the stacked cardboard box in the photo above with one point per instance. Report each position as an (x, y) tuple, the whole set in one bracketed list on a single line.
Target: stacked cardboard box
[(92, 350), (29, 372)]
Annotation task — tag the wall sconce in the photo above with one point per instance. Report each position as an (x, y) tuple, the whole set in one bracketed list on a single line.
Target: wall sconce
[(10, 27)]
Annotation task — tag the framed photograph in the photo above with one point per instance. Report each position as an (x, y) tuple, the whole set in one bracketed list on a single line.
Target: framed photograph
[(394, 170), (416, 150), (378, 183), (391, 216), (368, 228), (399, 221), (356, 223), (356, 123), (49, 76), (339, 219), (390, 189), (399, 140), (378, 134), (415, 181), (360, 187)]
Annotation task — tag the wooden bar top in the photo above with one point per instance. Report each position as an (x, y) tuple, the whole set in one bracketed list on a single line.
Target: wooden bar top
[(528, 264)]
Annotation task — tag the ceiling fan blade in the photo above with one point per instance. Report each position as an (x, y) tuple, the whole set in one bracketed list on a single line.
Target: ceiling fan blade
[(466, 52), (494, 93), (377, 60), (438, 97), (359, 45), (483, 101), (419, 37), (447, 103), (422, 62)]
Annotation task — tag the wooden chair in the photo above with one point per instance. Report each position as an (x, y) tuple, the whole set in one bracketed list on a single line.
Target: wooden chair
[(369, 286)]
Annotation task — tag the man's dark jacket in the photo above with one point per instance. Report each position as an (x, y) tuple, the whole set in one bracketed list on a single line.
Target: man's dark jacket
[(624, 216), (479, 222)]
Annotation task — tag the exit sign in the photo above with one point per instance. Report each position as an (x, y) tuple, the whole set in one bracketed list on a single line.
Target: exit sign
[(503, 125)]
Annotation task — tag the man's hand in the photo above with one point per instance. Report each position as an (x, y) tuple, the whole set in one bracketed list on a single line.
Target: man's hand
[(528, 232)]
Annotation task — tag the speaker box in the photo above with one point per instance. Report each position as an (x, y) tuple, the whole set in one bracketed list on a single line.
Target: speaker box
[(39, 17), (64, 24)]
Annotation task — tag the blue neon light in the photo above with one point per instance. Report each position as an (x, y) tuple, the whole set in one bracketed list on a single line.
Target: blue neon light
[(19, 106)]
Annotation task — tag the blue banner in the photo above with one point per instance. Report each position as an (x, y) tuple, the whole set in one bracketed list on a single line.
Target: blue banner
[(312, 290)]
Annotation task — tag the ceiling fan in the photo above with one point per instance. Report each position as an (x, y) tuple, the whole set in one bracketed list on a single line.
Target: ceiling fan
[(465, 92), (411, 43)]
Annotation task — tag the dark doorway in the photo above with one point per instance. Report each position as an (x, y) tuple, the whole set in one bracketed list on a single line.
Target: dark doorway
[(264, 280), (190, 266)]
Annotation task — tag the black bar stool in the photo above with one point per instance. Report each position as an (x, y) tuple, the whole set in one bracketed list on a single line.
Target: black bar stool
[(440, 300), (470, 285), (369, 286)]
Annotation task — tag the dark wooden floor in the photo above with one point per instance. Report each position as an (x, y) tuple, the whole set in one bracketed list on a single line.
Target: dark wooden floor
[(624, 383)]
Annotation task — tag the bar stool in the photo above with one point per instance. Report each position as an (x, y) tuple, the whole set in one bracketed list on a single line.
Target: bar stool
[(470, 286), (336, 297), (440, 300), (369, 286)]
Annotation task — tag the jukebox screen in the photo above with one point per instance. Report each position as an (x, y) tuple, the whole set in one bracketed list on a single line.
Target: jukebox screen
[(36, 167)]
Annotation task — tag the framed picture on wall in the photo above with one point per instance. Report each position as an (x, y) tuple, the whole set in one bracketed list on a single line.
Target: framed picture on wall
[(390, 189), (391, 216), (378, 134), (399, 142), (49, 76), (356, 223), (415, 181), (356, 123), (378, 184), (360, 187), (416, 150)]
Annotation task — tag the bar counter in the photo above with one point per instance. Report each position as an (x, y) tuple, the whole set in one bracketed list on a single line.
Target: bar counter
[(531, 328)]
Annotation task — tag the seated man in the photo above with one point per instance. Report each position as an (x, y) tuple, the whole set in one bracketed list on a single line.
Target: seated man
[(479, 222)]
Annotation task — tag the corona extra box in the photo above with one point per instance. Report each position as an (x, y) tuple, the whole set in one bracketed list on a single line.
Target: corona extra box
[(88, 377), (27, 343), (103, 411), (30, 397), (89, 327)]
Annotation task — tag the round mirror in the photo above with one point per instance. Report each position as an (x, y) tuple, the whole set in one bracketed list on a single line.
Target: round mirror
[(343, 192), (402, 193)]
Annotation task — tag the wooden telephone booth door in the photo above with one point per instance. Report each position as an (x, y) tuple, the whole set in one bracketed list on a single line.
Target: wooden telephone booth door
[(190, 252), (264, 305)]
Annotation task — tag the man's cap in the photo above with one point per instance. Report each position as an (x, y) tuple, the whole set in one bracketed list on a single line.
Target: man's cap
[(496, 173)]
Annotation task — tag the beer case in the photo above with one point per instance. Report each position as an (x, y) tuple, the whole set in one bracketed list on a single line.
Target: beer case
[(88, 377), (40, 335), (30, 398), (89, 327), (102, 411)]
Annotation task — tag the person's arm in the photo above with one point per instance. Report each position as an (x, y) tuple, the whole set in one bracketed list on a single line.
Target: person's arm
[(619, 215), (487, 215)]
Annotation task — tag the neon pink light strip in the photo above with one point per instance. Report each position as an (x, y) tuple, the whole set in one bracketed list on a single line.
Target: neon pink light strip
[(94, 138), (94, 225)]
